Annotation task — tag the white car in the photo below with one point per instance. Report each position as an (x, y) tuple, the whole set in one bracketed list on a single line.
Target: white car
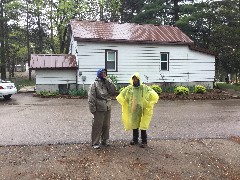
[(7, 89)]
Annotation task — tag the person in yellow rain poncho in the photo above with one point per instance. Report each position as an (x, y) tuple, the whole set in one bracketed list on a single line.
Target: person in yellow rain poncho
[(137, 102)]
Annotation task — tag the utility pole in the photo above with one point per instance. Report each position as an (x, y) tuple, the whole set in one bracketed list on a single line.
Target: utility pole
[(28, 47)]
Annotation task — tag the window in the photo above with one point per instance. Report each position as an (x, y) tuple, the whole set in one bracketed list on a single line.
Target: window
[(164, 61), (111, 60)]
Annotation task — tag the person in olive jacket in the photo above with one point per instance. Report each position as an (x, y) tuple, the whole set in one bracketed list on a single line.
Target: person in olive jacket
[(99, 100)]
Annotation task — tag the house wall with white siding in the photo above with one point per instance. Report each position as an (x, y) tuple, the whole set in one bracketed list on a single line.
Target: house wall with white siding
[(49, 80), (185, 65), (73, 49)]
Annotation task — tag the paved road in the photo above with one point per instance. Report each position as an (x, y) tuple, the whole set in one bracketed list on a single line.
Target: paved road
[(26, 120)]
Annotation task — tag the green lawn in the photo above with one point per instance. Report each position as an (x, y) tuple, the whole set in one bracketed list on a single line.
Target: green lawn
[(21, 79), (223, 85)]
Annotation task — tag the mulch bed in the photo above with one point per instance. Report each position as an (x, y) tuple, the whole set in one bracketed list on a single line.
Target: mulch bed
[(214, 94), (235, 139), (60, 96)]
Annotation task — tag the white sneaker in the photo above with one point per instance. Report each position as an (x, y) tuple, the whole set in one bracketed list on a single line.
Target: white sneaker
[(96, 146)]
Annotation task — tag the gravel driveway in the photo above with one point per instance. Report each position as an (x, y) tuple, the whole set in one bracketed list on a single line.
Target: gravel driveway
[(28, 120), (188, 140)]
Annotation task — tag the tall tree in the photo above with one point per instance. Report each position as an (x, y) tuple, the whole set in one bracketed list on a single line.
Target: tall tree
[(153, 12), (226, 36), (107, 10), (165, 12), (129, 9), (197, 22), (3, 39), (215, 25), (175, 10)]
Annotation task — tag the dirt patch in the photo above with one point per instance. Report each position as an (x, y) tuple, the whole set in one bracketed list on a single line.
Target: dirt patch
[(170, 159), (235, 139)]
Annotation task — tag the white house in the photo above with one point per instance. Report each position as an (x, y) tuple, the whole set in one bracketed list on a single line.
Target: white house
[(160, 53), (54, 72)]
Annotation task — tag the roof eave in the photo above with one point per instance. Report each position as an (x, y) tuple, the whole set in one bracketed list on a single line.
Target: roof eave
[(202, 50), (51, 68), (98, 40)]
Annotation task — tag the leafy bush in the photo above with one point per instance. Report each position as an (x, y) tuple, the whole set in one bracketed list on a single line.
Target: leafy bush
[(114, 80), (199, 89), (181, 90), (191, 88), (156, 88), (168, 89), (77, 92), (48, 93)]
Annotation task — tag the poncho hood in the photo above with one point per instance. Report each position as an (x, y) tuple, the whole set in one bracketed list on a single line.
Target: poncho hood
[(138, 76)]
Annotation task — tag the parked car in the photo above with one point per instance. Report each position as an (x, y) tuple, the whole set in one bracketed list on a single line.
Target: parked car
[(7, 89)]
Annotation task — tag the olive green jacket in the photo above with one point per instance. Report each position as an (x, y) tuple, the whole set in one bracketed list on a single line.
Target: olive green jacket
[(99, 95)]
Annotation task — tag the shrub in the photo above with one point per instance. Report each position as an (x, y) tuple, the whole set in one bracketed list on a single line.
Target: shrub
[(199, 89), (168, 89), (181, 90), (77, 92), (48, 93), (114, 80), (156, 88), (191, 88)]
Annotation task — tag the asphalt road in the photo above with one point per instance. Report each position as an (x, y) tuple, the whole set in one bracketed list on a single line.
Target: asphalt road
[(28, 120)]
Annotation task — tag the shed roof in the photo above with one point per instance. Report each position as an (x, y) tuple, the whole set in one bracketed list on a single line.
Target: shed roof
[(127, 32), (53, 61)]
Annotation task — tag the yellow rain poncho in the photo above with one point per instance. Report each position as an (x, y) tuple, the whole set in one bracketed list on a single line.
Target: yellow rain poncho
[(137, 105)]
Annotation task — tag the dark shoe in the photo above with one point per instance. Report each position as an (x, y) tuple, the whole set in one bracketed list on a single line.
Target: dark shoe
[(133, 142), (104, 143), (143, 145), (96, 146)]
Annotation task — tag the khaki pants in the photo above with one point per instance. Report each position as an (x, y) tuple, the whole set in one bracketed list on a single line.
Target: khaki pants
[(100, 126)]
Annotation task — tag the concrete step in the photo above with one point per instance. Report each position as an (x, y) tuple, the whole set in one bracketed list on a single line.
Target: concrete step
[(27, 89)]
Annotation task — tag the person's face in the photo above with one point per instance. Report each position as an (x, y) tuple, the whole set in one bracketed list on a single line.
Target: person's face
[(135, 80), (103, 74)]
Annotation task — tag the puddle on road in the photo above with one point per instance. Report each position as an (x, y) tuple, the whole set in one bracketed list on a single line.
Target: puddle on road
[(8, 102), (38, 104)]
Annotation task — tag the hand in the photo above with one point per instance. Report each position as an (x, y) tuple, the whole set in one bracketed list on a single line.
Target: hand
[(93, 113), (104, 76)]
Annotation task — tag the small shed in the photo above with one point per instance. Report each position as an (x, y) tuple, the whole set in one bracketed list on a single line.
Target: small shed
[(54, 72), (160, 53)]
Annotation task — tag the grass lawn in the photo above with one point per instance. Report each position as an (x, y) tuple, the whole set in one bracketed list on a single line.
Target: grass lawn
[(21, 79), (223, 85)]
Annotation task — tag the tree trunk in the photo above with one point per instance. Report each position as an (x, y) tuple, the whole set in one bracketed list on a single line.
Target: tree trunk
[(28, 47), (176, 11), (2, 42)]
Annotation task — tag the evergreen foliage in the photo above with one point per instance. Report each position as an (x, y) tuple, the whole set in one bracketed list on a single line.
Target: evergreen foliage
[(213, 25)]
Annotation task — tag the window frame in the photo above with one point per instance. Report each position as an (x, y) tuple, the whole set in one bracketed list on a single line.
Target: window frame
[(116, 60), (167, 53)]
